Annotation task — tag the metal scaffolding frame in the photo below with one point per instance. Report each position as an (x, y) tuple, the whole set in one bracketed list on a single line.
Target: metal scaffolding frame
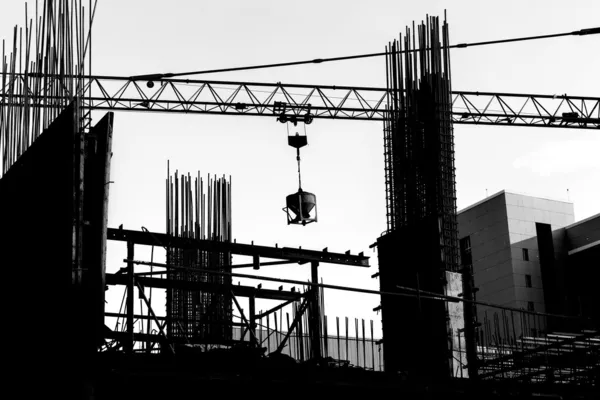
[(311, 308)]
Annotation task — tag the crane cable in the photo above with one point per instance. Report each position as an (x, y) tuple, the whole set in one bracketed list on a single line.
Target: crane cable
[(581, 32), (297, 156)]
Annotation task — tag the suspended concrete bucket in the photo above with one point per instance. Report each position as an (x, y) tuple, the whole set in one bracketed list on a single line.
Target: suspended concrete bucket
[(299, 206)]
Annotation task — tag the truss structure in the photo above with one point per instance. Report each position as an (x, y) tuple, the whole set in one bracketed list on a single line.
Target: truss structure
[(299, 102)]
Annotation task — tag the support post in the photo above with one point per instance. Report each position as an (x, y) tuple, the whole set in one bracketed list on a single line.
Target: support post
[(315, 314), (252, 317), (130, 298), (470, 316)]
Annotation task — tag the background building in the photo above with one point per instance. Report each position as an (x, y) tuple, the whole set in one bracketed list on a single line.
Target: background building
[(529, 253)]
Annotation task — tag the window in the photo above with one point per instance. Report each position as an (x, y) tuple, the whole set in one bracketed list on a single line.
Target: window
[(465, 251), (527, 280), (526, 254), (530, 306)]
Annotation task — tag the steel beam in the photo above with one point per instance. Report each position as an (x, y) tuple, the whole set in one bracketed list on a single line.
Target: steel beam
[(315, 313), (283, 253), (243, 291), (129, 282), (252, 320)]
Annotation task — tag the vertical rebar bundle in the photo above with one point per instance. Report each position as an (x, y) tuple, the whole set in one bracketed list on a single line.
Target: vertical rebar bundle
[(418, 135), (420, 200), (43, 71), (199, 211)]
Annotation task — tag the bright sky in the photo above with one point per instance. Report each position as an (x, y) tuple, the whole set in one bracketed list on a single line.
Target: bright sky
[(343, 164)]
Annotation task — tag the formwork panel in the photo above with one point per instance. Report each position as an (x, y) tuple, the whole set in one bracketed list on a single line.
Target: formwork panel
[(56, 308), (36, 246), (415, 333)]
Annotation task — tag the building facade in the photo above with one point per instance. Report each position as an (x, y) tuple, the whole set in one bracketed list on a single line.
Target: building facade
[(529, 253)]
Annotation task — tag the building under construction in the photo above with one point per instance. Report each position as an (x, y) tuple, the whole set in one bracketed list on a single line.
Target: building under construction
[(54, 197)]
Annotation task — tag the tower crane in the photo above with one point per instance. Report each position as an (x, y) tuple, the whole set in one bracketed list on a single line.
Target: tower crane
[(306, 102)]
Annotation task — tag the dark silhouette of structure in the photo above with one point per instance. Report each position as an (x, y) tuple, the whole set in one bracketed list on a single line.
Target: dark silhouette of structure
[(421, 201), (53, 203)]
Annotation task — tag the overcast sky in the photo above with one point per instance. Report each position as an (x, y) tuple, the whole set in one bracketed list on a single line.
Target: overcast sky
[(343, 164)]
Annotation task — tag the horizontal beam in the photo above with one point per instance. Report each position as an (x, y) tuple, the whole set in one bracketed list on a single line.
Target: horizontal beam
[(135, 316), (153, 338), (262, 264), (242, 291), (140, 337), (302, 283), (146, 317), (283, 253), (303, 102)]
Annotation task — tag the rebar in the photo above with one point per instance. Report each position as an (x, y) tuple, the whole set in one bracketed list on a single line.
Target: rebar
[(419, 137), (524, 348), (44, 71), (198, 211)]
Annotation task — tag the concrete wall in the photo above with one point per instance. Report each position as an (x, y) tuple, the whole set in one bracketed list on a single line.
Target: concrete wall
[(57, 319), (523, 212), (421, 349), (36, 237), (456, 316), (486, 223), (500, 227)]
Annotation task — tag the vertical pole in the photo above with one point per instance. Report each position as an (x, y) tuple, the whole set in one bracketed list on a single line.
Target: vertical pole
[(356, 342), (337, 323), (380, 362), (372, 347), (364, 345), (315, 316), (130, 298), (269, 335), (300, 336), (287, 317), (460, 355), (252, 320), (347, 344), (260, 329), (307, 338), (276, 331), (325, 334), (470, 317), (323, 319)]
